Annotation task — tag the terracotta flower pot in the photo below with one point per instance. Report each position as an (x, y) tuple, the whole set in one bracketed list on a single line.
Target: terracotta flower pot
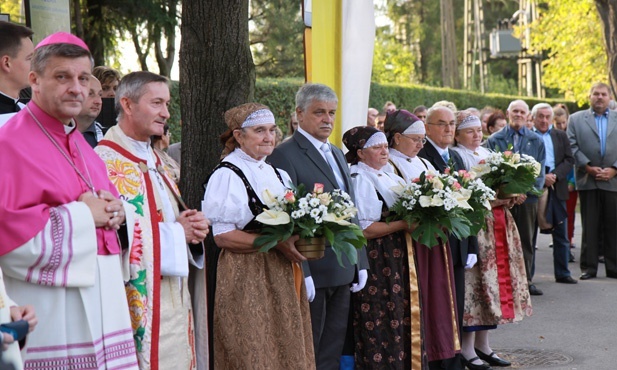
[(311, 248)]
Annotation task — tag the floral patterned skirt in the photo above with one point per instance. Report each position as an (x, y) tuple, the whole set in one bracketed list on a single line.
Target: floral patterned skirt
[(496, 289), (386, 321)]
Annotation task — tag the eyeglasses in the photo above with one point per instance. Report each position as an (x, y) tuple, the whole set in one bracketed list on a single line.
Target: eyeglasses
[(442, 125), (415, 139)]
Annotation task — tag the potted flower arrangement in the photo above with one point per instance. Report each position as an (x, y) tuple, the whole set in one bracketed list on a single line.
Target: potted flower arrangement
[(437, 203), (315, 217), (509, 173), (479, 199)]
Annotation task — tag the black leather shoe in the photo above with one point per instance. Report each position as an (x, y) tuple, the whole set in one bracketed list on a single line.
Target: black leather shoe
[(566, 280), (493, 359), (586, 276), (471, 366), (571, 258), (533, 291)]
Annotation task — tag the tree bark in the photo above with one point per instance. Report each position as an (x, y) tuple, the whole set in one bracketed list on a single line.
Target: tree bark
[(607, 9), (216, 73), (449, 65)]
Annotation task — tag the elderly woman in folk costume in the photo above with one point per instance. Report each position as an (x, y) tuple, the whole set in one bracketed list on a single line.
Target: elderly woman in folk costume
[(387, 310), (261, 312), (406, 137), (495, 288)]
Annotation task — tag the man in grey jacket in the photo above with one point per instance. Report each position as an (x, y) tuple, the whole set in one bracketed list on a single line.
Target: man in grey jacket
[(309, 158), (592, 136)]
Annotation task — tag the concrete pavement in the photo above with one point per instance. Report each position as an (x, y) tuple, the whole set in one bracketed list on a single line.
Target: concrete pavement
[(573, 327)]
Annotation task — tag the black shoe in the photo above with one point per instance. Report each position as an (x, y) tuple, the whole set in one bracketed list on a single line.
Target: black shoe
[(601, 259), (571, 258), (471, 366), (587, 276), (533, 291), (493, 359), (566, 280)]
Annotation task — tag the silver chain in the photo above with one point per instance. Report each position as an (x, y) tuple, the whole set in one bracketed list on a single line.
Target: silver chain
[(66, 156)]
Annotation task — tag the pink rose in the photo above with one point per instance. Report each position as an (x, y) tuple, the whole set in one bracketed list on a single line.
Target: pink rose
[(416, 180), (466, 176), (482, 162), (507, 153), (447, 171), (318, 188), (456, 186), (290, 197), (429, 177)]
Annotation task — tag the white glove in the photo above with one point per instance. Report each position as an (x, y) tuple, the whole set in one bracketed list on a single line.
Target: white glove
[(310, 288), (362, 277), (471, 260)]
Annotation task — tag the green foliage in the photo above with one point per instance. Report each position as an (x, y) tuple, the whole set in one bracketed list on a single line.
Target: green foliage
[(392, 60), (13, 8), (276, 38), (571, 33), (280, 95)]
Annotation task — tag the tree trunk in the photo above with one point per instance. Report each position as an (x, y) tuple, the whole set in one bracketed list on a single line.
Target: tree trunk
[(607, 10), (449, 65), (216, 73), (77, 19), (94, 27), (165, 60)]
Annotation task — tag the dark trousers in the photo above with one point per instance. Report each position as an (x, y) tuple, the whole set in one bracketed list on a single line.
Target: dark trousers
[(329, 316), (525, 216), (561, 249), (571, 207), (599, 220)]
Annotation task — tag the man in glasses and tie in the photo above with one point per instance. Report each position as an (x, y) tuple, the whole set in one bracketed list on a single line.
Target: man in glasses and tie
[(440, 127), (309, 158), (525, 213)]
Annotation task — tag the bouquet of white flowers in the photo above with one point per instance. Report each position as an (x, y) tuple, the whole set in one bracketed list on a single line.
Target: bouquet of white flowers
[(311, 215), (508, 172), (479, 200), (437, 203)]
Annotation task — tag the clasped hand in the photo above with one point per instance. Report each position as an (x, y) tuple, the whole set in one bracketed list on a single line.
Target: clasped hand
[(195, 225), (601, 174), (106, 209)]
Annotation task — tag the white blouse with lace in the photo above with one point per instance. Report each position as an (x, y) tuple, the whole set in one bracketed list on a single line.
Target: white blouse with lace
[(367, 183), (410, 167), (471, 157), (226, 201)]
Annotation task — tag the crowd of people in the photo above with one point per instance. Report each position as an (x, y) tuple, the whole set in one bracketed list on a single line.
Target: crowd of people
[(103, 263)]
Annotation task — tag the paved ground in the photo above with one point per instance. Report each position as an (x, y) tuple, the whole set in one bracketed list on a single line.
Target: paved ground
[(572, 327)]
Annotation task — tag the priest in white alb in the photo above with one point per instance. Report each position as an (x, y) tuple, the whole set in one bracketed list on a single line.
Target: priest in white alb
[(167, 235)]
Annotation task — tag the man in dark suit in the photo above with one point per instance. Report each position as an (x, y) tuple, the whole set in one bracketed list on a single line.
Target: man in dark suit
[(525, 212), (559, 162), (308, 158), (440, 127), (592, 137)]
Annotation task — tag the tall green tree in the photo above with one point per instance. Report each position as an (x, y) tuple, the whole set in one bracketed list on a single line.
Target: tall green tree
[(607, 9), (570, 33), (150, 25), (276, 37)]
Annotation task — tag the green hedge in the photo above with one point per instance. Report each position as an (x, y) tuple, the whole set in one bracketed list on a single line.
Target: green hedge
[(279, 94)]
